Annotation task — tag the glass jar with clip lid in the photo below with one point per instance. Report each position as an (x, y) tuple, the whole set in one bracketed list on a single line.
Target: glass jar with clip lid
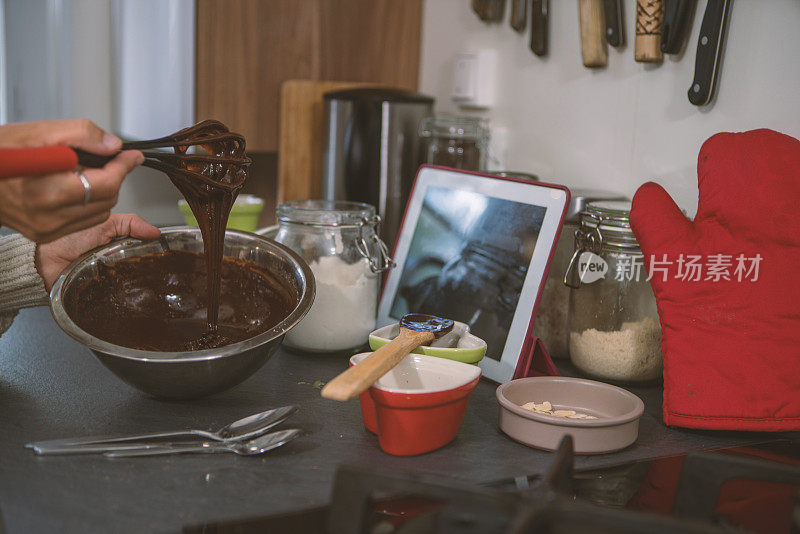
[(613, 320), (340, 242)]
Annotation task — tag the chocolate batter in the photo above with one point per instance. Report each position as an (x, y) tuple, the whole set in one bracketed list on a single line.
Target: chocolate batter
[(158, 302), (210, 183)]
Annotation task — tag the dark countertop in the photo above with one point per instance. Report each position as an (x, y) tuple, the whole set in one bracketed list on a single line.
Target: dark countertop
[(52, 387)]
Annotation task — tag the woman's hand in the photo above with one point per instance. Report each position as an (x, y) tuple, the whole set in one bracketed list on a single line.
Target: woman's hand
[(53, 257), (43, 208)]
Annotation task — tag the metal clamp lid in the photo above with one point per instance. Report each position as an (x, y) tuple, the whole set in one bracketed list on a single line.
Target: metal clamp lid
[(383, 262), (589, 237), (591, 241)]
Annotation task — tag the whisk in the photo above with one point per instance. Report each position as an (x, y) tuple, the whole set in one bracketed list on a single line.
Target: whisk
[(223, 165)]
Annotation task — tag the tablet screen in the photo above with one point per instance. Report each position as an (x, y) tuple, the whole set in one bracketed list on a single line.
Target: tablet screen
[(468, 259)]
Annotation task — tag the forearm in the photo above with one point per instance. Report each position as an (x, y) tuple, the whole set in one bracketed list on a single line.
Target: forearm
[(20, 283)]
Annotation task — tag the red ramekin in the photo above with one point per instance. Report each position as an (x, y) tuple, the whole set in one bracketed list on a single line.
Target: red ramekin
[(418, 406)]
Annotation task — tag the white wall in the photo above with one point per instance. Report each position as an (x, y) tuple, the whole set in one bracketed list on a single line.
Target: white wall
[(37, 59), (617, 127), (146, 192), (91, 61)]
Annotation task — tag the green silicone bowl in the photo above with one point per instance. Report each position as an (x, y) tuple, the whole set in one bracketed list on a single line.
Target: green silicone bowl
[(458, 344), (244, 215)]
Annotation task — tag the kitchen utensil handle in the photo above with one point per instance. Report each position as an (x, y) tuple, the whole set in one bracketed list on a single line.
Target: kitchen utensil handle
[(519, 15), (677, 20), (92, 448), (34, 161), (157, 451), (615, 33), (494, 10), (709, 52), (95, 161), (594, 49), (111, 438), (649, 24), (479, 7), (361, 376), (539, 17)]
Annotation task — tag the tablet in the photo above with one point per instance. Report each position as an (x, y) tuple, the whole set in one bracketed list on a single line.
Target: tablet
[(476, 248)]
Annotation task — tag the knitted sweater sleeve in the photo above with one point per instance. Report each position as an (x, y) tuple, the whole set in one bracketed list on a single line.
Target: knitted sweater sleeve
[(20, 283)]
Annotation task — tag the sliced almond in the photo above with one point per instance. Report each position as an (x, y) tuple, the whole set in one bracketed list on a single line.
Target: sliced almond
[(546, 408)]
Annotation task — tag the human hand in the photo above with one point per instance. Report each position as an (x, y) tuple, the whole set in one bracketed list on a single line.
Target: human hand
[(43, 208), (53, 257)]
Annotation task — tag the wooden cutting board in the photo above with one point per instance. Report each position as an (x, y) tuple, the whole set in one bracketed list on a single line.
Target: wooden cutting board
[(300, 136)]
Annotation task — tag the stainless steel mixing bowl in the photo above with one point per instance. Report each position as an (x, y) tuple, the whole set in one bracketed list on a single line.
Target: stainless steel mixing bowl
[(184, 375)]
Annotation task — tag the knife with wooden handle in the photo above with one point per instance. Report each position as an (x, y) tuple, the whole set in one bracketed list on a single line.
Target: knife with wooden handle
[(615, 27), (677, 21), (594, 49), (489, 10), (709, 52), (649, 23), (519, 15), (478, 7), (539, 23)]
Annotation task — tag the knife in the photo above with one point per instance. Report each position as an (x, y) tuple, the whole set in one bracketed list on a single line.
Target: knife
[(539, 19), (479, 7), (649, 22), (615, 33), (678, 16), (594, 50), (489, 10), (709, 52), (519, 15)]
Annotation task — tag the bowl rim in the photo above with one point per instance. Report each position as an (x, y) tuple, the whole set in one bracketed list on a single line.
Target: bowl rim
[(66, 323), (474, 374), (632, 415), (481, 346)]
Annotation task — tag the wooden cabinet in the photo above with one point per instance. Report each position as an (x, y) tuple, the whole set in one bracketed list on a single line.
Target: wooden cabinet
[(247, 48)]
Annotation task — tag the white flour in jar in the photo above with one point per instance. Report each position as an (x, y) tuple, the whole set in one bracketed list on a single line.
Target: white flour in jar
[(631, 353), (344, 309)]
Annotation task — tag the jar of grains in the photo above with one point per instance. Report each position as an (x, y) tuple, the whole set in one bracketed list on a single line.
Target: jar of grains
[(339, 241), (551, 324), (458, 142), (614, 328)]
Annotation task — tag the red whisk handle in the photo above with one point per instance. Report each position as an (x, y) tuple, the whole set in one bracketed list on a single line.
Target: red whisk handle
[(33, 161)]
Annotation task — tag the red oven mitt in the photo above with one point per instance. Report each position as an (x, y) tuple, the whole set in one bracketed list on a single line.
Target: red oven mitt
[(728, 285)]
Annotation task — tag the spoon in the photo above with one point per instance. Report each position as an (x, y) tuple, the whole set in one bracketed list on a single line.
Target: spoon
[(246, 428), (415, 329), (259, 445)]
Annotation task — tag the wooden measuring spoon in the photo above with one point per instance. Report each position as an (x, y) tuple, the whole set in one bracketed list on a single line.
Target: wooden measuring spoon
[(415, 329)]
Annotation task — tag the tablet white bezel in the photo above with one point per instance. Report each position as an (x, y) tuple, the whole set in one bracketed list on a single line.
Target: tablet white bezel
[(553, 198)]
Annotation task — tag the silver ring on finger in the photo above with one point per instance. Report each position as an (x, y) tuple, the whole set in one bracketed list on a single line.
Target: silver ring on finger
[(87, 187)]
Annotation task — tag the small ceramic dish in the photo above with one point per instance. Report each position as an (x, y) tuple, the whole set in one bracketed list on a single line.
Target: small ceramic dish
[(244, 213), (458, 344), (419, 405), (617, 413)]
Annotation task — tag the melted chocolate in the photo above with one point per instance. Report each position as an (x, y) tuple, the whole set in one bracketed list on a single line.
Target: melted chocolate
[(210, 183), (157, 302), (427, 323)]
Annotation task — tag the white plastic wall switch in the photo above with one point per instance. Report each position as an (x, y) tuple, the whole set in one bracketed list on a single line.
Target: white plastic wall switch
[(474, 78)]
